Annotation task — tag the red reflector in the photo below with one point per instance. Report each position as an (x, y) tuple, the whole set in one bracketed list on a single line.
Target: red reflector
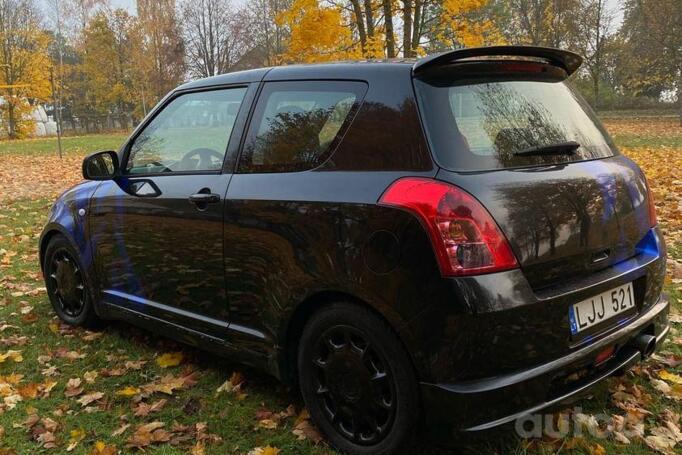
[(522, 67), (604, 355), (465, 237)]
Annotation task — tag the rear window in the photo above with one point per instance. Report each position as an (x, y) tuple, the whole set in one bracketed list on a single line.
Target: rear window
[(483, 125)]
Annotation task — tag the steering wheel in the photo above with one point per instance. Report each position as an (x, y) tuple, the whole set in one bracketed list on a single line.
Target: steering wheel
[(205, 156), (158, 164)]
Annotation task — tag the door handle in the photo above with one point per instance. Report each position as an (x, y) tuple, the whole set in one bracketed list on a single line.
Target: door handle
[(204, 198)]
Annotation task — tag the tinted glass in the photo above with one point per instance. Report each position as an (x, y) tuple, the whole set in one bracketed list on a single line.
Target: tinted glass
[(296, 125), (190, 134), (484, 125)]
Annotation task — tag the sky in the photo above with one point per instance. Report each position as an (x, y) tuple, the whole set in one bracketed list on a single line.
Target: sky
[(127, 4)]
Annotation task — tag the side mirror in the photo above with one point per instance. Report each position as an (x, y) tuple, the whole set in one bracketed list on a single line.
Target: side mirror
[(100, 166)]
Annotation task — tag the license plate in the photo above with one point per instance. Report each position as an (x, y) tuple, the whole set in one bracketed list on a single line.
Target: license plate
[(592, 311)]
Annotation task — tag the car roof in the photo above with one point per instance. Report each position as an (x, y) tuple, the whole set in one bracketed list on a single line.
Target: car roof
[(337, 70), (369, 69)]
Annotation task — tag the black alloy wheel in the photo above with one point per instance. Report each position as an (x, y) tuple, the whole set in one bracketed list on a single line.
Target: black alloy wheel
[(357, 381), (355, 385), (68, 287), (67, 284)]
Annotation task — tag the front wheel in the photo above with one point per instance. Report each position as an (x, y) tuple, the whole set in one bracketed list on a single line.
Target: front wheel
[(357, 381), (66, 284)]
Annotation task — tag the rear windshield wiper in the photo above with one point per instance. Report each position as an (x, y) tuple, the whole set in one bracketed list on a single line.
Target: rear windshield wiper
[(559, 148)]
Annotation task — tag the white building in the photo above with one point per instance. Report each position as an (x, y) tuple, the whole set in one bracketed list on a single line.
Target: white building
[(44, 125)]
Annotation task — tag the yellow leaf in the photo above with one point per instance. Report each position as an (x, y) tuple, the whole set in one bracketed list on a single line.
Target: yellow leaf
[(100, 448), (670, 377), (264, 451), (128, 391), (170, 359), (198, 449), (13, 355), (77, 436)]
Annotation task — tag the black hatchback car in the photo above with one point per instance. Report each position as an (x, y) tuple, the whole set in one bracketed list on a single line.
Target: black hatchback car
[(449, 243)]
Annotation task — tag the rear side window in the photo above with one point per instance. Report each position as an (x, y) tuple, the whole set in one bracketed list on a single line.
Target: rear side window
[(484, 125), (297, 125)]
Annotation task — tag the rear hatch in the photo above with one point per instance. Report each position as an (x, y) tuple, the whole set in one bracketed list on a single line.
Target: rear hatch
[(518, 138)]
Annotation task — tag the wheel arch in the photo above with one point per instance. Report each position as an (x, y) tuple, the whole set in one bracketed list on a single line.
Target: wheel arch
[(317, 302), (48, 234)]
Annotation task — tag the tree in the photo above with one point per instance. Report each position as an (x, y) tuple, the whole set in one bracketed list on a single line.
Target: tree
[(593, 36), (652, 35), (216, 36), (317, 33), (462, 24), (107, 64), (163, 60), (23, 64), (540, 22), (267, 35), (77, 13)]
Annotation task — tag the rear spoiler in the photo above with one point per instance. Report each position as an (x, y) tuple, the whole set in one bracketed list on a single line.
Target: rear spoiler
[(567, 60)]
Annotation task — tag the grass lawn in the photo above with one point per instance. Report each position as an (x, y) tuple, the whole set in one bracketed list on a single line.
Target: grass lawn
[(81, 145), (121, 388)]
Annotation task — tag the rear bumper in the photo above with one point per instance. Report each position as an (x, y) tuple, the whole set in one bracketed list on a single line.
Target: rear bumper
[(483, 404)]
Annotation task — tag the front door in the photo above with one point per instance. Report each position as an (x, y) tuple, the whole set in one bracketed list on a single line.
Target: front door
[(158, 229)]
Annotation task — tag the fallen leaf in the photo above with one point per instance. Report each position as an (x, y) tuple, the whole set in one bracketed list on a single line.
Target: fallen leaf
[(128, 391), (143, 409), (148, 434), (90, 376), (198, 449), (77, 436), (267, 450), (269, 424), (670, 377), (12, 355), (90, 398), (73, 388), (304, 429), (170, 359), (100, 448), (134, 364), (120, 430), (233, 384)]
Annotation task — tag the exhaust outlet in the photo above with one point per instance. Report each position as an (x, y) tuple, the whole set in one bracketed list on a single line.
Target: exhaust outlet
[(645, 344)]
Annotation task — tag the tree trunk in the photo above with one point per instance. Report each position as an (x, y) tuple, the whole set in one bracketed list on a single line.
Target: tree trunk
[(369, 17), (679, 94), (11, 119), (359, 21), (407, 28), (390, 39), (416, 26)]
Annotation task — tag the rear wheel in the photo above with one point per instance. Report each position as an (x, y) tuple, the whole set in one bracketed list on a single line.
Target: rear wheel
[(357, 381), (66, 284)]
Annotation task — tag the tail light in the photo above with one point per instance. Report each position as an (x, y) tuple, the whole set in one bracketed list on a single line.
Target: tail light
[(652, 207), (465, 237)]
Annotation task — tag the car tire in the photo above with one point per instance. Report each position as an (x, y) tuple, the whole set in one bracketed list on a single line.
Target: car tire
[(67, 286), (358, 382)]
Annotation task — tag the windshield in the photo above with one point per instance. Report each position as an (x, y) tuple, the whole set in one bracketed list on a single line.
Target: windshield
[(484, 125)]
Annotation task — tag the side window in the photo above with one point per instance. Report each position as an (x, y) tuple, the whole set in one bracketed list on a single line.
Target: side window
[(297, 125), (190, 134)]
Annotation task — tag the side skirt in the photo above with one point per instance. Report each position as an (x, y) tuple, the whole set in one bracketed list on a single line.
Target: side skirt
[(191, 337)]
